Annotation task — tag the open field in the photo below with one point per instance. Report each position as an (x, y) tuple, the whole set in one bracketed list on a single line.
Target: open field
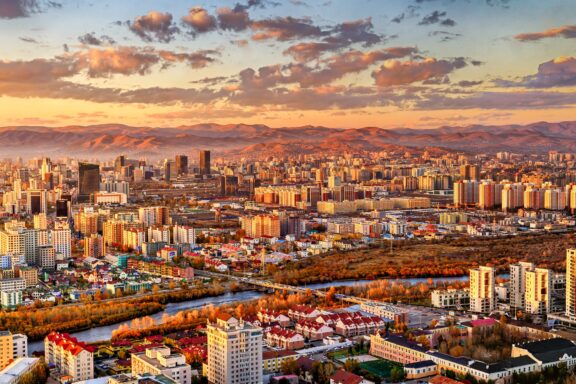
[(430, 259)]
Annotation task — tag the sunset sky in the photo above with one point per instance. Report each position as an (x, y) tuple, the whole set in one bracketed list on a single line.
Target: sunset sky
[(338, 63)]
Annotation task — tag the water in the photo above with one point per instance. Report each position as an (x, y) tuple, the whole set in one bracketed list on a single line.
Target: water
[(105, 332)]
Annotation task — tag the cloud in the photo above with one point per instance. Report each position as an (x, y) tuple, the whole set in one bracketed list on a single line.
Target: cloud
[(155, 26), (566, 31), (29, 40), (199, 59), (332, 68), (284, 28), (497, 100), (99, 62), (358, 31), (395, 72), (92, 39), (233, 19), (341, 36), (122, 60), (14, 9), (469, 83), (444, 35), (437, 17), (199, 20), (309, 51), (560, 72), (37, 70)]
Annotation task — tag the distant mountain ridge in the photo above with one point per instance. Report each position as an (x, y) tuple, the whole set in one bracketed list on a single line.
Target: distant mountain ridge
[(107, 140)]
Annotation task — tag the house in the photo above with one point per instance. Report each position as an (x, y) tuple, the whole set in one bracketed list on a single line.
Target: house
[(313, 330), (269, 316), (344, 377), (284, 338), (303, 312)]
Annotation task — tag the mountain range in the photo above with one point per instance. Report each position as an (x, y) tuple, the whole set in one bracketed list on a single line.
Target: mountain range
[(107, 140)]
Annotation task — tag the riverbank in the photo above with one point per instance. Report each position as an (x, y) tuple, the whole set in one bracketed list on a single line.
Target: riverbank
[(36, 323)]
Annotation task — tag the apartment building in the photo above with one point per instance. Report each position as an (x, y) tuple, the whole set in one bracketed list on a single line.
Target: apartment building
[(70, 357), (234, 352)]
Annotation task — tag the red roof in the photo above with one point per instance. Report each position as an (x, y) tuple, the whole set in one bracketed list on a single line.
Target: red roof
[(344, 377), (68, 343)]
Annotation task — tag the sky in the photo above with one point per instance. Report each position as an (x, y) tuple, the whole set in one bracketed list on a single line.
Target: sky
[(335, 63)]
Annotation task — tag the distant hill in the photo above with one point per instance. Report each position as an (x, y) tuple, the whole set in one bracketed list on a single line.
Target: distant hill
[(251, 140)]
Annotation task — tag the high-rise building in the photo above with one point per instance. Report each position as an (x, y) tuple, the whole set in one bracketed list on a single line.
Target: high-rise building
[(12, 347), (470, 172), (61, 238), (182, 164), (234, 352), (93, 246), (88, 181), (40, 221), (571, 283), (46, 257), (512, 196), (184, 234), (170, 170), (538, 293), (204, 162), (36, 201), (119, 162), (154, 216), (518, 283), (482, 294), (69, 356), (466, 193)]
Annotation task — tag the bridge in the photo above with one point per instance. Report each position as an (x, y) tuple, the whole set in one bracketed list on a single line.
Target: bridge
[(286, 287)]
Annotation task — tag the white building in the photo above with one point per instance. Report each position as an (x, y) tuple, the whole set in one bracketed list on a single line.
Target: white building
[(159, 361), (451, 298), (70, 356), (234, 352), (61, 239), (518, 283)]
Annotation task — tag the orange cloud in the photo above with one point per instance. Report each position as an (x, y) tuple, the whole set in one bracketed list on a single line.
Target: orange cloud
[(155, 26), (567, 31), (200, 20)]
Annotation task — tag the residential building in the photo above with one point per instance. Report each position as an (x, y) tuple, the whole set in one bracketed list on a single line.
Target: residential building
[(518, 283), (482, 295), (538, 293), (160, 361), (69, 356), (234, 352)]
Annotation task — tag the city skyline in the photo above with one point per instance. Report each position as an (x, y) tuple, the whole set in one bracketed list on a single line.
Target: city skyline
[(420, 63)]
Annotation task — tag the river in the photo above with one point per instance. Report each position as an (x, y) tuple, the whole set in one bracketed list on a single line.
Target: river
[(105, 332)]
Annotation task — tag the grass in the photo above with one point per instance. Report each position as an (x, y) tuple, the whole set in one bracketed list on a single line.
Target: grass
[(380, 368)]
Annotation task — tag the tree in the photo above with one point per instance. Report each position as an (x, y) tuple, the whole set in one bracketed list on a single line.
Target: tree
[(396, 373), (352, 365), (289, 367)]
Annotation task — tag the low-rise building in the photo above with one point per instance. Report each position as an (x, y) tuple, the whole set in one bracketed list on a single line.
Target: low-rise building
[(451, 298), (160, 361)]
